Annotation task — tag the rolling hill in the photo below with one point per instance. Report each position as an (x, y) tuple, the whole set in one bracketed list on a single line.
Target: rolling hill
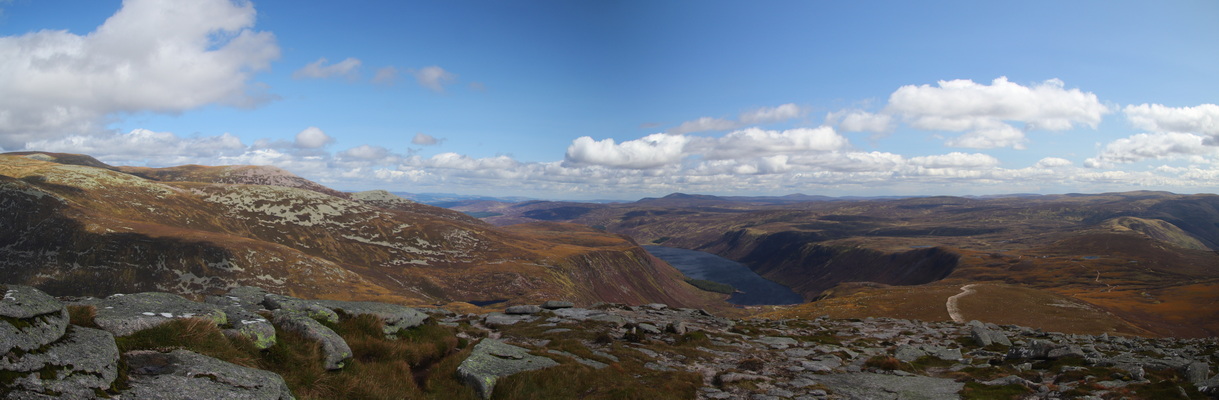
[(72, 225), (1140, 262)]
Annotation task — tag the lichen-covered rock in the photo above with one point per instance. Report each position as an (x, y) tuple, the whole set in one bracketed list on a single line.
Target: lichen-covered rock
[(335, 351), (523, 309), (879, 386), (493, 359), (984, 335), (397, 318), (29, 318), (183, 374), (557, 304), (84, 361), (310, 308), (243, 321), (250, 326), (124, 314)]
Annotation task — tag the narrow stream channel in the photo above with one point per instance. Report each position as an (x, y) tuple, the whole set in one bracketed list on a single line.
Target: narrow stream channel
[(752, 288)]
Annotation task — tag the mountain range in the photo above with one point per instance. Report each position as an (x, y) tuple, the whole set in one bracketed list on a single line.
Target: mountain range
[(1140, 263), (74, 226)]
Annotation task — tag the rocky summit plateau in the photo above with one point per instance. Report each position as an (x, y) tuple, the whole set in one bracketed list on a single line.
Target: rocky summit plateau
[(248, 282), (252, 344)]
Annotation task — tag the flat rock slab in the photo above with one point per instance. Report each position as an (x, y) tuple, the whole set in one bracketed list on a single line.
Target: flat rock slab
[(83, 361), (29, 318), (124, 314), (307, 307), (493, 359), (183, 374), (870, 386)]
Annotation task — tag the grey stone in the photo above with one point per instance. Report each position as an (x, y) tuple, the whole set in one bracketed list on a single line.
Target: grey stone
[(908, 353), (616, 320), (1065, 351), (84, 360), (124, 314), (1196, 372), (557, 304), (492, 359), (656, 306), (335, 351), (777, 342), (523, 309), (581, 360), (251, 326), (183, 374), (878, 386), (396, 318), (29, 319), (307, 307), (578, 314), (658, 367), (947, 354), (501, 319), (649, 328)]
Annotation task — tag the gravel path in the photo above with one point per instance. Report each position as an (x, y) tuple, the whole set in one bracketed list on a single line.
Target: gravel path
[(954, 311)]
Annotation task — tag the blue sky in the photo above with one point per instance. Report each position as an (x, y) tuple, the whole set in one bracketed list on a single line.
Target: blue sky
[(626, 99)]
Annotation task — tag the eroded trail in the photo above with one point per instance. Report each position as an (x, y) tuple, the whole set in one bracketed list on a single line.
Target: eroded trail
[(954, 311)]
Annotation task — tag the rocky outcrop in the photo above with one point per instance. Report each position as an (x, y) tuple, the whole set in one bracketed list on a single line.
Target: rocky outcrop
[(124, 314), (335, 352), (493, 359), (79, 364), (156, 375), (29, 318)]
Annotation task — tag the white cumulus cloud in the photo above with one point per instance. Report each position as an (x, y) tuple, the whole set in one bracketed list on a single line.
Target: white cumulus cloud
[(313, 138), (772, 114), (985, 110), (755, 142), (1202, 119), (151, 55), (319, 70), (652, 151), (424, 139), (434, 78), (860, 121), (1151, 146)]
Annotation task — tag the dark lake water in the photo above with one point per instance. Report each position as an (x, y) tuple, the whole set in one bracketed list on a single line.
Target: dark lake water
[(699, 265)]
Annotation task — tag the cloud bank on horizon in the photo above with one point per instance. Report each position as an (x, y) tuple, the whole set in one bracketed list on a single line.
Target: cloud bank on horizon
[(163, 83)]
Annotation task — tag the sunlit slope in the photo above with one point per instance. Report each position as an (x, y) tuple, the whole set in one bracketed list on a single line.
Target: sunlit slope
[(1146, 262), (91, 230)]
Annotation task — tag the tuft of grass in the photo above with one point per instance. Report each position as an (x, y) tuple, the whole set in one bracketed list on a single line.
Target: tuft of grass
[(82, 316), (194, 334)]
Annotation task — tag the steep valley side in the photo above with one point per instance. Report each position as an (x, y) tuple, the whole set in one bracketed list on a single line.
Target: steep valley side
[(797, 260)]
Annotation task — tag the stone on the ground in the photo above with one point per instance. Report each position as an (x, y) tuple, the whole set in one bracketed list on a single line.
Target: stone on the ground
[(299, 306), (557, 304), (335, 351), (396, 318), (124, 314), (501, 319), (75, 366), (492, 359), (523, 309), (183, 374), (866, 385), (29, 318)]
